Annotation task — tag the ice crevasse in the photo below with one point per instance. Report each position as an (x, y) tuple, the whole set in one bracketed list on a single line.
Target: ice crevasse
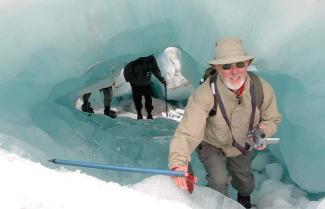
[(50, 50)]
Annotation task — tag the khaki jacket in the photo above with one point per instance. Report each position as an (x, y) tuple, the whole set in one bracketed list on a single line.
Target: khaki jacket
[(196, 125)]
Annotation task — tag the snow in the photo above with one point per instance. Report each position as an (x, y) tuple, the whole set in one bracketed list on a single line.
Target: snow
[(27, 184)]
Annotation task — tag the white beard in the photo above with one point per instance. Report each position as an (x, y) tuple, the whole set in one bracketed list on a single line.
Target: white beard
[(234, 85)]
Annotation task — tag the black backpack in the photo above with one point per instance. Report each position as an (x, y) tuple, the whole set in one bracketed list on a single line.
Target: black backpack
[(128, 72), (258, 88)]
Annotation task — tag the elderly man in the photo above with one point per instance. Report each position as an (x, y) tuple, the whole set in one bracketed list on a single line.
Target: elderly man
[(220, 139)]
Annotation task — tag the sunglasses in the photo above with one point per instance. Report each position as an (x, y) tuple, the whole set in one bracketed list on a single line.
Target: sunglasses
[(228, 66)]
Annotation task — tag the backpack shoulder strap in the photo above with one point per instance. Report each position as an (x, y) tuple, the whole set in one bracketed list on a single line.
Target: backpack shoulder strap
[(258, 88), (209, 72), (213, 77), (213, 86)]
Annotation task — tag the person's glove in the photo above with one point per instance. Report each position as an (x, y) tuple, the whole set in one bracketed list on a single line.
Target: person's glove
[(184, 182)]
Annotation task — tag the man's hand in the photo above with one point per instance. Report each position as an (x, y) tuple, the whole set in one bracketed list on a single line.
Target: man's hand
[(262, 147), (187, 182), (180, 180)]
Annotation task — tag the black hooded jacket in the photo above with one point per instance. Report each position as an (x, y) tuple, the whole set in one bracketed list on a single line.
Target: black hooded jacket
[(138, 72)]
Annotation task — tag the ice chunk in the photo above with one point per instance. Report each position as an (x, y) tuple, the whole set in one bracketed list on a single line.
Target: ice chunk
[(163, 187), (261, 160), (274, 171)]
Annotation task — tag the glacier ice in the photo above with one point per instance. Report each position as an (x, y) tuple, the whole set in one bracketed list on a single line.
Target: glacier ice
[(50, 50)]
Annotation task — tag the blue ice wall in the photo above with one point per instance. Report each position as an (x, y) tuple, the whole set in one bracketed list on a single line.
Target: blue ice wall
[(49, 50)]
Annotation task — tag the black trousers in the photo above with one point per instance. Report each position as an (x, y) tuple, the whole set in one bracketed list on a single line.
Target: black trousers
[(86, 97), (138, 92)]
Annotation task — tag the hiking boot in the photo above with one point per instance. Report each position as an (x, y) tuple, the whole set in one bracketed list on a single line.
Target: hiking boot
[(87, 108), (244, 201), (110, 113), (139, 117), (149, 116)]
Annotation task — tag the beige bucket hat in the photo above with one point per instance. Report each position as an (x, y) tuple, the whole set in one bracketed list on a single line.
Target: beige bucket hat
[(229, 50)]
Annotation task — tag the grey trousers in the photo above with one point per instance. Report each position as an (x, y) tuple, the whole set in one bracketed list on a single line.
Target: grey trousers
[(107, 96), (222, 170), (107, 92)]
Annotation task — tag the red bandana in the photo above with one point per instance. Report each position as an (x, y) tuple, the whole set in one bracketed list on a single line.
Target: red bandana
[(240, 92)]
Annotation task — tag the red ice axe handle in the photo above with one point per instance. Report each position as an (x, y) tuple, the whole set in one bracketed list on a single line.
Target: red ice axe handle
[(190, 181)]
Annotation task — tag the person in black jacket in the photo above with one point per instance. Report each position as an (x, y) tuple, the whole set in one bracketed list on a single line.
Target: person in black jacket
[(138, 73)]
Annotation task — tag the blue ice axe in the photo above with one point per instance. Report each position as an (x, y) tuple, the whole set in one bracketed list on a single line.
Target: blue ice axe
[(166, 99), (117, 168), (189, 178)]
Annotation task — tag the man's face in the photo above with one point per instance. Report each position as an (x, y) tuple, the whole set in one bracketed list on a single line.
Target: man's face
[(233, 74)]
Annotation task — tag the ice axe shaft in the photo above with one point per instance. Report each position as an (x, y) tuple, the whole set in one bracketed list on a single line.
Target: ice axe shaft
[(117, 168), (166, 99)]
